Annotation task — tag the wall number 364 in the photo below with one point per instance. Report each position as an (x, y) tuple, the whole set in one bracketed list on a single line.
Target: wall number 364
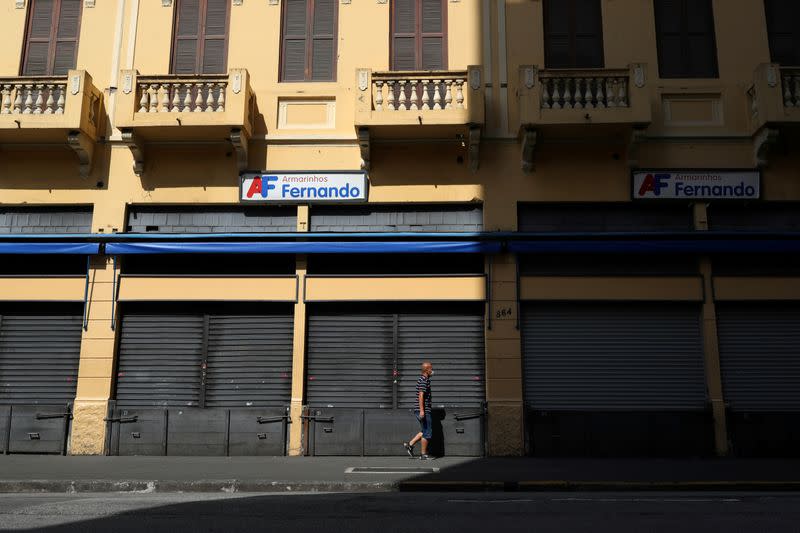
[(504, 312)]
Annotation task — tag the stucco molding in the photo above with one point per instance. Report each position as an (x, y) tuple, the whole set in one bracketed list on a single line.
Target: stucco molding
[(763, 142), (240, 143), (473, 148), (528, 149), (166, 3), (364, 146), (19, 4), (137, 150), (88, 3), (638, 136), (83, 147)]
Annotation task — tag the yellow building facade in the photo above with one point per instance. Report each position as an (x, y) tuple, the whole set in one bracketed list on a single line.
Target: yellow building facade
[(584, 213)]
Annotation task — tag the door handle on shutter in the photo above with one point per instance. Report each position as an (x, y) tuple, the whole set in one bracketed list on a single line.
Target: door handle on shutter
[(317, 419), (262, 420), (40, 416), (467, 417), (123, 419)]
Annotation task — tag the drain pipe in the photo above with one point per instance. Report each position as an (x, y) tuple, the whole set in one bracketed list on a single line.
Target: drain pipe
[(114, 77)]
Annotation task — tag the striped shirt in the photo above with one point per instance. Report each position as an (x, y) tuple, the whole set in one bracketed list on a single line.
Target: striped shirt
[(424, 386)]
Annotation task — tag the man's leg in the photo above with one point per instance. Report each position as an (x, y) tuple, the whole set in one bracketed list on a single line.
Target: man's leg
[(424, 446), (415, 440)]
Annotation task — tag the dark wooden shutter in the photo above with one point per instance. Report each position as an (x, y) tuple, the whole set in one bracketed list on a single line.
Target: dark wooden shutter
[(432, 45), (419, 35), (294, 40), (686, 42), (51, 46), (187, 34), (65, 54), (323, 48), (200, 37), (784, 34), (573, 34), (308, 50), (215, 37)]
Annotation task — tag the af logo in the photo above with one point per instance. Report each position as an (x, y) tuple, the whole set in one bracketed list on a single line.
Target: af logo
[(653, 183), (262, 186)]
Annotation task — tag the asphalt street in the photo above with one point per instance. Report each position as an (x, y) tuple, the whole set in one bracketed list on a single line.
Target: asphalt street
[(390, 512)]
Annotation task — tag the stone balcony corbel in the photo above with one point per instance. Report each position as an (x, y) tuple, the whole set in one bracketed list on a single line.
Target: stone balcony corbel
[(52, 111), (188, 109)]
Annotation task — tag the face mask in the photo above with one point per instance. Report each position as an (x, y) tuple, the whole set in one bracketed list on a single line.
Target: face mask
[(431, 373)]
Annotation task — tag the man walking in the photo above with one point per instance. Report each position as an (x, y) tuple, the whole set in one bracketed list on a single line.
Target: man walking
[(423, 413)]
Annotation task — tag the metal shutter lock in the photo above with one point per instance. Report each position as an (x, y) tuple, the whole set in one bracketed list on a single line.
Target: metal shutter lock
[(136, 435), (262, 436), (33, 436)]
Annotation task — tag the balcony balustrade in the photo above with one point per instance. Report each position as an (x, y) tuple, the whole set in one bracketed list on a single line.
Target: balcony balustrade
[(424, 104), (579, 97), (43, 111), (168, 108)]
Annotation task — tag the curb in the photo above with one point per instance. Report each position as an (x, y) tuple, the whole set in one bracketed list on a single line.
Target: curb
[(589, 486), (222, 485), (234, 486)]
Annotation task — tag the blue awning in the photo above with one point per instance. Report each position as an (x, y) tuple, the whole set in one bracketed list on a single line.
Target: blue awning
[(328, 247), (77, 248), (712, 246)]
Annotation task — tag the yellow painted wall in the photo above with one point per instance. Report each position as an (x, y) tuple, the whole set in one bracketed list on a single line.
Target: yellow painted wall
[(574, 162)]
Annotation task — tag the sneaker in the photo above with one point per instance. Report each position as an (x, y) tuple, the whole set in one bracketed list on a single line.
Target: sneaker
[(409, 449), (425, 457)]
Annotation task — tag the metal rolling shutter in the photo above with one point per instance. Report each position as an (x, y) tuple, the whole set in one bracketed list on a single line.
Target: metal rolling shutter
[(350, 358), (454, 344), (39, 357), (613, 357), (159, 360), (249, 361), (759, 348)]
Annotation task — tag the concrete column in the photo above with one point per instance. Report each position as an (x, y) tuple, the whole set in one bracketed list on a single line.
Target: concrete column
[(96, 367), (711, 342), (504, 361), (299, 347), (95, 371)]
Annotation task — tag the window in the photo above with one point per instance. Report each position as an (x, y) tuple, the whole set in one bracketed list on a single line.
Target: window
[(308, 42), (573, 34), (784, 33), (419, 35), (686, 43), (51, 44), (200, 37)]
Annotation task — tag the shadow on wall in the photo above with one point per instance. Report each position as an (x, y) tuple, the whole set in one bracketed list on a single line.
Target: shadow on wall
[(52, 169), (172, 166)]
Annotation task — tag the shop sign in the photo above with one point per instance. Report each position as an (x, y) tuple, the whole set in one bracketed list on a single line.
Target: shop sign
[(303, 187), (696, 184)]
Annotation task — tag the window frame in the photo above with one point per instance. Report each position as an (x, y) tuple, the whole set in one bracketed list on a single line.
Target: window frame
[(418, 36), (199, 54), (51, 54), (545, 33), (309, 40), (659, 48), (767, 12)]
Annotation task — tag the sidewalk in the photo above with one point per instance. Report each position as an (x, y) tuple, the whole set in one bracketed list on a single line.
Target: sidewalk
[(377, 474)]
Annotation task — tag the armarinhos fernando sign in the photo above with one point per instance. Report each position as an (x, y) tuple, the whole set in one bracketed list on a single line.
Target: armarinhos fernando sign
[(696, 184), (305, 187)]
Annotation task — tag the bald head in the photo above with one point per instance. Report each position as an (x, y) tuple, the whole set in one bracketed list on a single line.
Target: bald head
[(427, 368)]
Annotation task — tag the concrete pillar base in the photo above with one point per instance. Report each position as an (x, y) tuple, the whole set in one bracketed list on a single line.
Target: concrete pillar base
[(88, 435), (296, 443), (505, 429)]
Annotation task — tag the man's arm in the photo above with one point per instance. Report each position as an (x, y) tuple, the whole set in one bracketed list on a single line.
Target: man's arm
[(421, 397)]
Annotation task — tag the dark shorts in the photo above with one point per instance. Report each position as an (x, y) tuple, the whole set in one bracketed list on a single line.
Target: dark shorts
[(425, 425)]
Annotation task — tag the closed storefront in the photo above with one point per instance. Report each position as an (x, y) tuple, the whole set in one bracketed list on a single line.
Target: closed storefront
[(363, 363), (603, 379), (759, 345), (39, 351), (203, 383)]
